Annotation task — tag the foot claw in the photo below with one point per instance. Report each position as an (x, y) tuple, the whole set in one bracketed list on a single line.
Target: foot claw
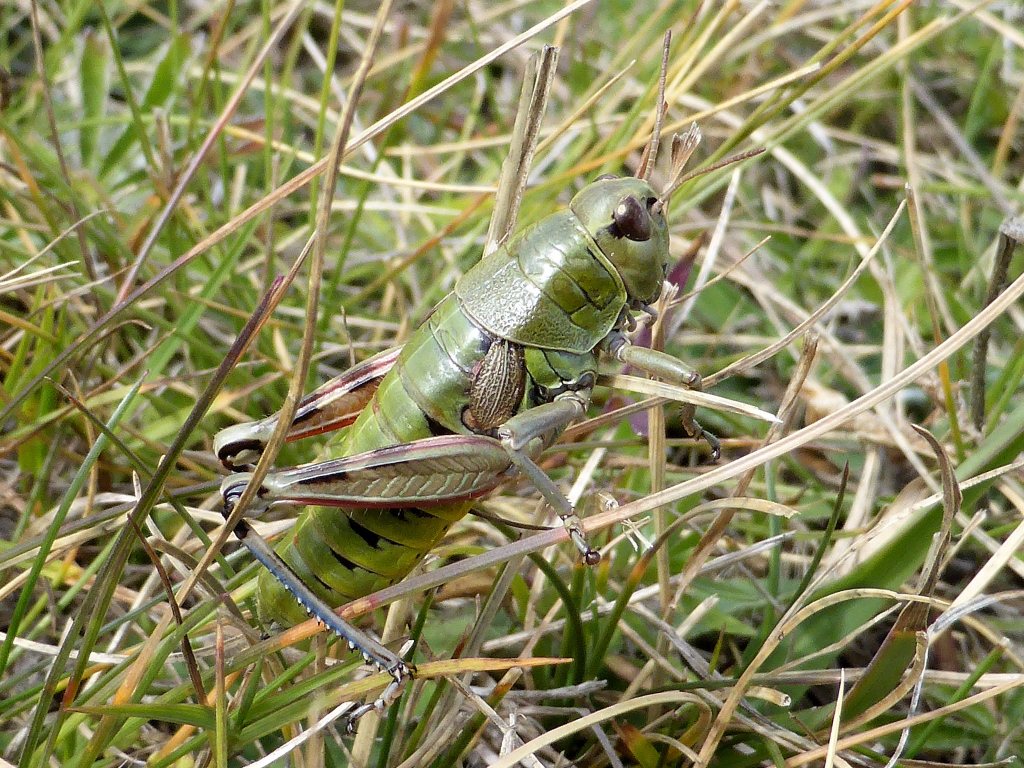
[(400, 675), (590, 556), (696, 431), (711, 440)]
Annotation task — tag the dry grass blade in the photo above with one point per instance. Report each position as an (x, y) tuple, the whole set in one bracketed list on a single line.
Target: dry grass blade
[(686, 147), (515, 168), (683, 395), (1011, 233), (650, 155)]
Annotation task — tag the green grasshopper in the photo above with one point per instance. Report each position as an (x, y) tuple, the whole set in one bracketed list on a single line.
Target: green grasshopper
[(492, 377)]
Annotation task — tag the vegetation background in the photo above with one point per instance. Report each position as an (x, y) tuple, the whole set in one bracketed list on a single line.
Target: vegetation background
[(160, 164)]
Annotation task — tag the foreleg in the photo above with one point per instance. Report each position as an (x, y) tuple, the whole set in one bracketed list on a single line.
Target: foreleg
[(667, 368)]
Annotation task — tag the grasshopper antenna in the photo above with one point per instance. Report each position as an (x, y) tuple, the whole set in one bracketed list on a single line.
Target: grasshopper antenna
[(651, 150), (682, 148)]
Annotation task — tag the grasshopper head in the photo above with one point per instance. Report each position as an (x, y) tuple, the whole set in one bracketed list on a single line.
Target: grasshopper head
[(623, 217)]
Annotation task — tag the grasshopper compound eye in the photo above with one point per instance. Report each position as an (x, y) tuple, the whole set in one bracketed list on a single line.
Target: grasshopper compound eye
[(632, 220)]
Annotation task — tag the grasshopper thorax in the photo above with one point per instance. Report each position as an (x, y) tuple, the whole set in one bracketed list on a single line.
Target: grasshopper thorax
[(631, 231)]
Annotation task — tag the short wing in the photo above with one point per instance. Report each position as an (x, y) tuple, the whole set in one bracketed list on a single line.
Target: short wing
[(334, 405)]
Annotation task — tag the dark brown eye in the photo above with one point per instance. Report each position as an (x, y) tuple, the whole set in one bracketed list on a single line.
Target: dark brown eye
[(632, 220)]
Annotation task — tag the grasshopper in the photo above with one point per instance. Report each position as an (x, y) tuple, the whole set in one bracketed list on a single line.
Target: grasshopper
[(497, 371)]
